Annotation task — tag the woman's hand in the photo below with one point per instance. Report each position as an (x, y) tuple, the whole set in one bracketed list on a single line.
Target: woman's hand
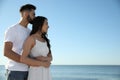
[(48, 58)]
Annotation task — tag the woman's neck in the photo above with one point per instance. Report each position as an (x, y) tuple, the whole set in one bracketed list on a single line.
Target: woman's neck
[(39, 34)]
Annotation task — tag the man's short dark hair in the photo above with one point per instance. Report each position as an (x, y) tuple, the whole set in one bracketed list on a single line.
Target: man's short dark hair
[(28, 7)]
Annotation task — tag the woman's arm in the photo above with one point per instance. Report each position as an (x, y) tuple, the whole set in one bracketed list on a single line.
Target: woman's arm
[(29, 43), (45, 59), (50, 58)]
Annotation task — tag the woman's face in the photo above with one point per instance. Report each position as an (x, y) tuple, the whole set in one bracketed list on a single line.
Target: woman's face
[(45, 26)]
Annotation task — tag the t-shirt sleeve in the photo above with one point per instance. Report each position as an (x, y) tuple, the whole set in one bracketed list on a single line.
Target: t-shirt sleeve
[(9, 36)]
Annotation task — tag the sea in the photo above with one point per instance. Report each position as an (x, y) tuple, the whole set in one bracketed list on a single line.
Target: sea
[(80, 72)]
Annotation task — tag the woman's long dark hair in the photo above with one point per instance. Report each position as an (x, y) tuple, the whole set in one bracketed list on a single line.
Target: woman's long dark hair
[(37, 25)]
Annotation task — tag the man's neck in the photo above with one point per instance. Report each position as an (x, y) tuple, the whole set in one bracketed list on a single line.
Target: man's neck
[(23, 23)]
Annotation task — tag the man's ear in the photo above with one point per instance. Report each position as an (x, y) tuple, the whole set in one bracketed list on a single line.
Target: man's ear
[(25, 14)]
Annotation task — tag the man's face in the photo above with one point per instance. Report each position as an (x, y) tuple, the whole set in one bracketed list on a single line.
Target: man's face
[(31, 16)]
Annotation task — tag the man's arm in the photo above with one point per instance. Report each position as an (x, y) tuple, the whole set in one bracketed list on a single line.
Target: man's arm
[(8, 52)]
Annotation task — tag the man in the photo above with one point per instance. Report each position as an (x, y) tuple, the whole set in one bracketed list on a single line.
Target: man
[(14, 39)]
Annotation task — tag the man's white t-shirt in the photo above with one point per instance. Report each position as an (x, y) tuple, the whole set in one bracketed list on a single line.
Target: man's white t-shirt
[(16, 34)]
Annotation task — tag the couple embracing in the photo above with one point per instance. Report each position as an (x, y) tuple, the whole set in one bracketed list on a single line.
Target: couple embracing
[(28, 51)]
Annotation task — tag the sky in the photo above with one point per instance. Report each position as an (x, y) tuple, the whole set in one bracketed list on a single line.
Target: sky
[(81, 32)]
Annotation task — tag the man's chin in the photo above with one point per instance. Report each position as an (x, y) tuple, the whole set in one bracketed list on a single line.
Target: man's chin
[(31, 22)]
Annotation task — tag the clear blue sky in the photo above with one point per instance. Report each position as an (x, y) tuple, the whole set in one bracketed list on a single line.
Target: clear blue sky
[(81, 31)]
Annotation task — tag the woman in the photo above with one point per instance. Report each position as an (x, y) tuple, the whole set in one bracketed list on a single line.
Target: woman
[(37, 44)]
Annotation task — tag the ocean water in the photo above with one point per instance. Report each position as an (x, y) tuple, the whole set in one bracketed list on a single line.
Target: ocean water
[(80, 72)]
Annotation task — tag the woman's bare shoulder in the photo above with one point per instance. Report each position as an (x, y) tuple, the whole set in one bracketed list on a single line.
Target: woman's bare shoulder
[(31, 39)]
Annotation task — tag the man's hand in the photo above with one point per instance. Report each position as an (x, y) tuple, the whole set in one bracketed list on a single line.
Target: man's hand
[(46, 64)]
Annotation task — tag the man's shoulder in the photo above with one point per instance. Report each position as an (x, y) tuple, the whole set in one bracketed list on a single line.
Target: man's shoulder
[(12, 27)]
